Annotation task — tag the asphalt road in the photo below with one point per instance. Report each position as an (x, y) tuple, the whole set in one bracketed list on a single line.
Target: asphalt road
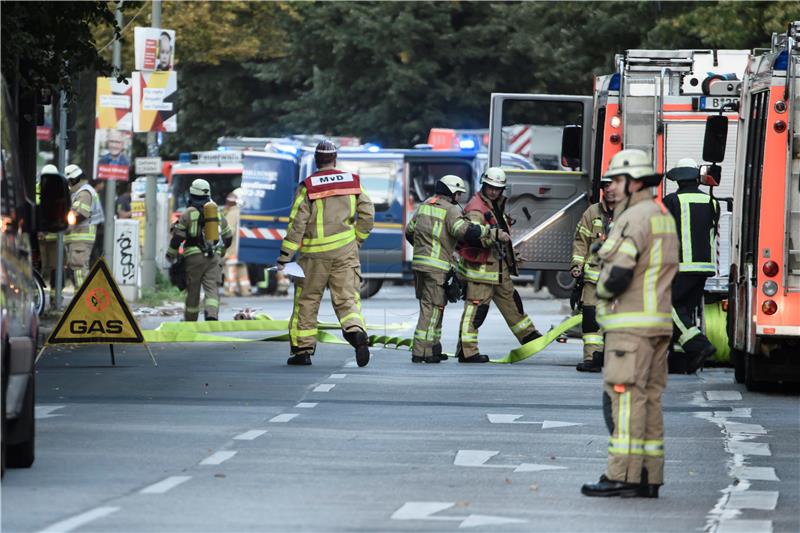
[(227, 437)]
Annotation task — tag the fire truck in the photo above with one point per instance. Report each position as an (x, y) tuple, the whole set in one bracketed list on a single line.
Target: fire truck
[(764, 280)]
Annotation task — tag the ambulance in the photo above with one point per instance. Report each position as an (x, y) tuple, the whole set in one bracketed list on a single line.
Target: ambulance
[(764, 277)]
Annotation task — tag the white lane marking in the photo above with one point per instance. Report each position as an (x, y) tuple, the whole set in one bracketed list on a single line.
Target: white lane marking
[(77, 521), (749, 448), (350, 364), (306, 405), (764, 500), (425, 510), (744, 526), (532, 467), (735, 412), (338, 376), (284, 417), (217, 458), (476, 458), (723, 395), (755, 473), (749, 429), (165, 484), (250, 435), (514, 419), (325, 387), (45, 411)]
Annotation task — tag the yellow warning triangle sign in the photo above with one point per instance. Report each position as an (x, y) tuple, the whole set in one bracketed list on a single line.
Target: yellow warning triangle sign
[(97, 313)]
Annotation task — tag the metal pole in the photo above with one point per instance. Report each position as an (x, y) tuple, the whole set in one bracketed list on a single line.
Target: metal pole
[(62, 163), (111, 188), (149, 257)]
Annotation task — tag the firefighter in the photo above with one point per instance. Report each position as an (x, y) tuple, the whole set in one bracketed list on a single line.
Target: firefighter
[(237, 281), (331, 217), (637, 264), (48, 244), (696, 215), (81, 234), (205, 236), (433, 232), (487, 269), (591, 231)]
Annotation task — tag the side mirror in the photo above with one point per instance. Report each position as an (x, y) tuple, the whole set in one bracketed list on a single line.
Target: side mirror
[(711, 175), (54, 203), (571, 143), (715, 138)]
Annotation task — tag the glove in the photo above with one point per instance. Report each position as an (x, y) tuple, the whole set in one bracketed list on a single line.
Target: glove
[(575, 296)]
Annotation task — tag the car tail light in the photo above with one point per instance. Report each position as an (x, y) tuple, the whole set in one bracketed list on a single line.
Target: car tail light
[(770, 268), (615, 121), (769, 288), (780, 126), (614, 138), (780, 106), (769, 307)]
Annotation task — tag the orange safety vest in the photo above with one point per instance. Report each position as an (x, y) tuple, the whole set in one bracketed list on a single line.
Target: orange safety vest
[(477, 254)]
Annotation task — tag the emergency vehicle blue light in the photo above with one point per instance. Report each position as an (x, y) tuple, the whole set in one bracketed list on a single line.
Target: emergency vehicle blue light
[(222, 148), (185, 157), (782, 61), (372, 147), (467, 144), (285, 148), (613, 83)]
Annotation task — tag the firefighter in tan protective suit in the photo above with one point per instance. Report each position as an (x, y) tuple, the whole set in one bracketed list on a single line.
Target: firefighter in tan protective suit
[(638, 262), (237, 281), (591, 231), (205, 235), (487, 270), (433, 232), (88, 211), (331, 217)]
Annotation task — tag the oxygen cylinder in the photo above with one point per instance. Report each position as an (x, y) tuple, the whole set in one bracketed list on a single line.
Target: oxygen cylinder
[(211, 226)]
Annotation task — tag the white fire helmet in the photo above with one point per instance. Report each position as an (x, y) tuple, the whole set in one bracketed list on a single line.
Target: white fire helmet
[(494, 176)]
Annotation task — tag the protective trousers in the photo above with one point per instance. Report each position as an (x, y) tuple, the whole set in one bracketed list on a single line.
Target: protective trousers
[(429, 288), (592, 338), (78, 255), (476, 307), (635, 375), (202, 271), (237, 281), (343, 277), (687, 301)]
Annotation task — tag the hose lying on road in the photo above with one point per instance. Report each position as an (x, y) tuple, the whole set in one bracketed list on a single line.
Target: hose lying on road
[(534, 347)]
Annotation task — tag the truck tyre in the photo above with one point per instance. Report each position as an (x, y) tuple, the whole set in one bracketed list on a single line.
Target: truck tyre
[(370, 287), (559, 283), (21, 455), (750, 379), (737, 359)]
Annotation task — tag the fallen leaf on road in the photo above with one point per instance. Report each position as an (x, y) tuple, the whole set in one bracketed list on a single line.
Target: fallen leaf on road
[(534, 487), (508, 480)]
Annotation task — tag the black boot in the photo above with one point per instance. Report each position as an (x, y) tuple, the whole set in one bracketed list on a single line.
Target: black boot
[(210, 318), (300, 359), (646, 489), (437, 351), (695, 360), (595, 364), (479, 358), (359, 340), (425, 359), (606, 488), (532, 336)]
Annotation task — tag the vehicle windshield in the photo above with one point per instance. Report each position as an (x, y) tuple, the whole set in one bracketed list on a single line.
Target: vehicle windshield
[(377, 178), (221, 185)]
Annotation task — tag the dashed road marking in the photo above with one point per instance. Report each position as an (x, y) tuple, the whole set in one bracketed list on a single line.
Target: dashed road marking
[(749, 448), (514, 419), (426, 510), (755, 473), (338, 376), (284, 417), (165, 484), (77, 521), (306, 405), (325, 387), (218, 458), (749, 429), (723, 395), (250, 435), (46, 411), (744, 526), (764, 500), (350, 364)]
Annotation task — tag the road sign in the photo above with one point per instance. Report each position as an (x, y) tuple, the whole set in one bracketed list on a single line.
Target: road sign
[(148, 165), (97, 314)]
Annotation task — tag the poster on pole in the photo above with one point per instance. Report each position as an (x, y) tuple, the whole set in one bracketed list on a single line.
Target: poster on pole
[(155, 49), (112, 154), (155, 101), (113, 104)]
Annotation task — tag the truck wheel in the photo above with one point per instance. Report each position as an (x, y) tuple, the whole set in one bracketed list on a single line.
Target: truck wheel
[(750, 380), (559, 283), (370, 287), (21, 455), (737, 358)]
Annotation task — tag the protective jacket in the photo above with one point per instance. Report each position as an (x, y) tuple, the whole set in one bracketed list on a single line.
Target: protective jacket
[(487, 260), (593, 227), (696, 215), (331, 216), (189, 231), (233, 218), (85, 202), (638, 263), (434, 230)]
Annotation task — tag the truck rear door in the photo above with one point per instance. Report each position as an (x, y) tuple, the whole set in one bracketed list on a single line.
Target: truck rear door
[(546, 202)]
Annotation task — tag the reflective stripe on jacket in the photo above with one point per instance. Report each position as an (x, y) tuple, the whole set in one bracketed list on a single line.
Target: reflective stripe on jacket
[(696, 216), (638, 262), (85, 202), (188, 230), (592, 228), (482, 264)]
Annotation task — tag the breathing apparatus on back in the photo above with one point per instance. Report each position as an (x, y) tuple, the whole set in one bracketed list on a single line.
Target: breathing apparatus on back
[(200, 199)]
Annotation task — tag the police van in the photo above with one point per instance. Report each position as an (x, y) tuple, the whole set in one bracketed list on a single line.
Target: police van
[(397, 180)]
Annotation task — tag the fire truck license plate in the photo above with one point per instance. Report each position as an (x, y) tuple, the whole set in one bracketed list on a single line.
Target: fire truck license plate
[(714, 103)]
